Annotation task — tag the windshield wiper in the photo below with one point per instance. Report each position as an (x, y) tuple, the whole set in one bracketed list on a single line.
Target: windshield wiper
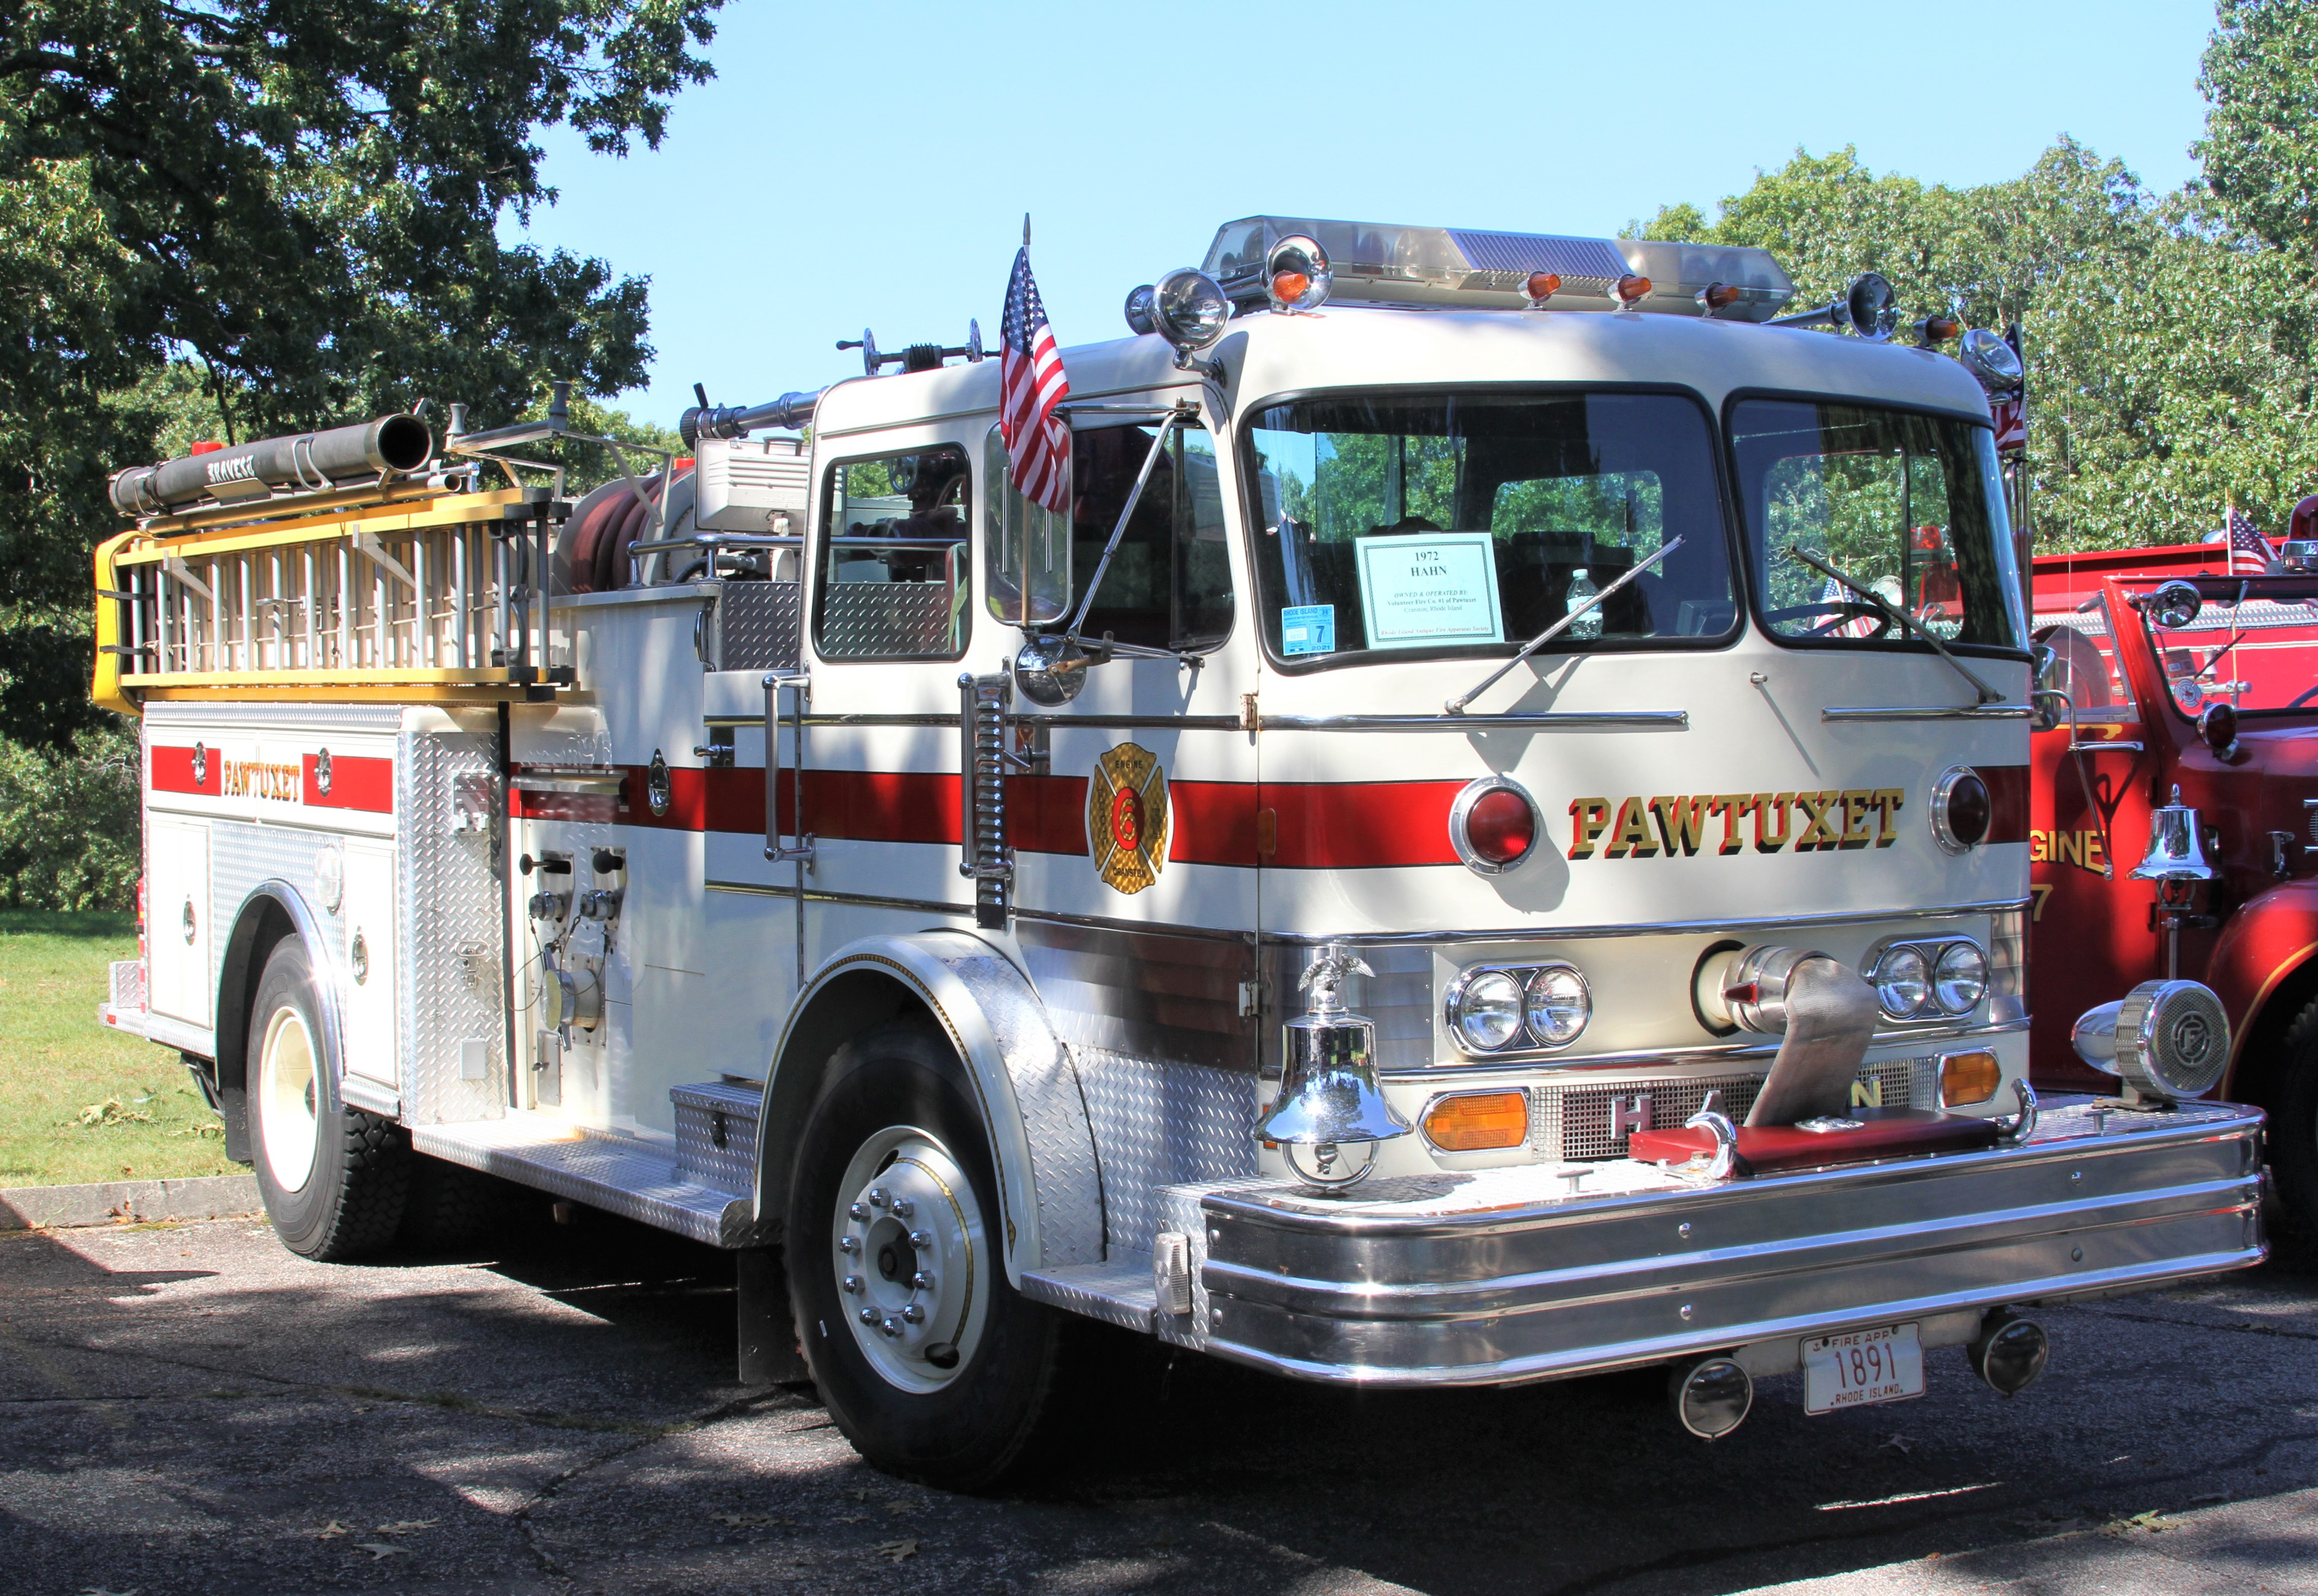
[(1456, 706), (1988, 695)]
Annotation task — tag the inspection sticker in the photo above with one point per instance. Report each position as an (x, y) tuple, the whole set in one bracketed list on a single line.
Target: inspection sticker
[(1308, 629)]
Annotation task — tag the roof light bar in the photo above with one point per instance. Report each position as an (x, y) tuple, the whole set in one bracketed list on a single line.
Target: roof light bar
[(1467, 268)]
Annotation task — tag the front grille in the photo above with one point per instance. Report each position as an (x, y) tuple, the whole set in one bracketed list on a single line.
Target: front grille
[(1585, 1124)]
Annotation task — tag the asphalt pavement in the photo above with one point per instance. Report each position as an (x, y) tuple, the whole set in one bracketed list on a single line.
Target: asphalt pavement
[(189, 1408)]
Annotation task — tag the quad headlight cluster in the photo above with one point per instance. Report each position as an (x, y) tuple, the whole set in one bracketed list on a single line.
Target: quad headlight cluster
[(1930, 979), (1503, 1007)]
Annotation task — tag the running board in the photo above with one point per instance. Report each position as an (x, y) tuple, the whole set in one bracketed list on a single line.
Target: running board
[(619, 1174), (1119, 1291)]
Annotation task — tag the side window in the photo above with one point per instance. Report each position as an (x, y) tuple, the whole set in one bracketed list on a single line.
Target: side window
[(893, 578), (1169, 585), (1019, 535)]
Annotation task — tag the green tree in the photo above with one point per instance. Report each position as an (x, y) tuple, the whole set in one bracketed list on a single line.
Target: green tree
[(2168, 370), (295, 204)]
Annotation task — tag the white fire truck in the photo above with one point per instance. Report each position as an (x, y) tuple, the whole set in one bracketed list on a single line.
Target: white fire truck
[(1487, 845)]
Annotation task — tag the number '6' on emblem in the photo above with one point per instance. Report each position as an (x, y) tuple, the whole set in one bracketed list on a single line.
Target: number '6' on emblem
[(1128, 818)]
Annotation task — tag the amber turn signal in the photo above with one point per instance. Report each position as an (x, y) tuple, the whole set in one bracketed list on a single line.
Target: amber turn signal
[(1718, 296), (1631, 288), (1288, 287), (1968, 1078), (1479, 1121), (1542, 286)]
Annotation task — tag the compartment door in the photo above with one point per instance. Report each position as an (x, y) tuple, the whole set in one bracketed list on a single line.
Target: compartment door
[(369, 957), (177, 934)]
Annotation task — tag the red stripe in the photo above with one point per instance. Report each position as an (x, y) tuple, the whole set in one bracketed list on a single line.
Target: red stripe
[(355, 783), (1360, 825), (173, 772)]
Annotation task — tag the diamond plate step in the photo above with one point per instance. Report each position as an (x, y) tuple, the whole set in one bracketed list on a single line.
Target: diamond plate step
[(1119, 1291), (619, 1174)]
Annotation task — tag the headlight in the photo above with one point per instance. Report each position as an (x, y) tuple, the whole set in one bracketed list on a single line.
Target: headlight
[(1960, 980), (1487, 1010), (1903, 983), (1188, 309), (1558, 1006)]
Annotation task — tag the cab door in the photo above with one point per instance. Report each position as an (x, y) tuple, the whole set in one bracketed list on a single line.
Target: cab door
[(1133, 811)]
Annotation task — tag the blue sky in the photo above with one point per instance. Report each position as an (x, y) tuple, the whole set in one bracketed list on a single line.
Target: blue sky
[(868, 164)]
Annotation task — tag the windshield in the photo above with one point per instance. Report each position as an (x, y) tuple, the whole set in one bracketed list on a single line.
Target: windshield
[(1909, 506), (1432, 525), (2256, 654)]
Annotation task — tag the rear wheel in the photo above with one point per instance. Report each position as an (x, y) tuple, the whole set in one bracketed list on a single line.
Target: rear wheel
[(2293, 1127), (333, 1178), (935, 1368)]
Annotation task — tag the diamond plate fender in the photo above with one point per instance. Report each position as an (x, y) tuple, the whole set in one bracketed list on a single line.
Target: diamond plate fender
[(1050, 1184)]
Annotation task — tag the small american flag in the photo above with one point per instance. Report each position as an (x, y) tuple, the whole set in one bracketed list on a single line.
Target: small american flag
[(2249, 551), (2011, 422), (1031, 384), (1835, 593)]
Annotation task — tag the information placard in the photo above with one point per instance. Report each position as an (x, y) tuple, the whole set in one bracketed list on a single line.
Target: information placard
[(1430, 590)]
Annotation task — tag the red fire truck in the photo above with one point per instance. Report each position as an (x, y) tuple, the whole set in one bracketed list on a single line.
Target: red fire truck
[(2174, 831)]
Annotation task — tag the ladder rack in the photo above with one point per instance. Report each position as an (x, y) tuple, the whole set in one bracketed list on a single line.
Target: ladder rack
[(418, 595)]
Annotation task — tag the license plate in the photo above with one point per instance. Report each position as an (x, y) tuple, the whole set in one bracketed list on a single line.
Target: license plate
[(1862, 1368)]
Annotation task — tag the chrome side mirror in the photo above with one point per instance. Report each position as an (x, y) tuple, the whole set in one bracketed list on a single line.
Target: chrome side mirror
[(1051, 671), (2174, 605), (2049, 697)]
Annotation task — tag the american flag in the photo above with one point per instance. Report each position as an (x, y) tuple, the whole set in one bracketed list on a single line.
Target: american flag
[(1031, 384), (1835, 593), (2011, 422), (2249, 551)]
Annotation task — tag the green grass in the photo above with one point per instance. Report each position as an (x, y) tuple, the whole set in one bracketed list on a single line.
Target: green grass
[(77, 1102)]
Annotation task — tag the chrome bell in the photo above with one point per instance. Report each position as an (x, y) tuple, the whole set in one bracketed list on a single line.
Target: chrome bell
[(1331, 1113), (2177, 845)]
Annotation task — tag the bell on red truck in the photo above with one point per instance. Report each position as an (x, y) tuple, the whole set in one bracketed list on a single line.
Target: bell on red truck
[(2173, 841)]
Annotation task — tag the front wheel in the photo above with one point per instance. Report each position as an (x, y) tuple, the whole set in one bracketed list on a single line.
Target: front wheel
[(935, 1368), (333, 1178)]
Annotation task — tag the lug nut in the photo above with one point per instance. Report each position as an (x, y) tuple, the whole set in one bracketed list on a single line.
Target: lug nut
[(913, 1313), (857, 1212), (903, 1208), (853, 1286), (876, 1197), (891, 1326), (921, 1239), (848, 1243), (868, 1316), (921, 1282)]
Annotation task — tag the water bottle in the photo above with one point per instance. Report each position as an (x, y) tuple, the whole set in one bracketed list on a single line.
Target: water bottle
[(1582, 590)]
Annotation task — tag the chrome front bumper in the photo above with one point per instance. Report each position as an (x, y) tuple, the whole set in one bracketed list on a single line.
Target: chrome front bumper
[(1502, 1275)]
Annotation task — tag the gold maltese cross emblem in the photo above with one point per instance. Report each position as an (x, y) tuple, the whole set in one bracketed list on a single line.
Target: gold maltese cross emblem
[(1128, 818)]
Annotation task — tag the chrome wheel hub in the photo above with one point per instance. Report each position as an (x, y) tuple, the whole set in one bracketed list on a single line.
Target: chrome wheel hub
[(287, 1087), (912, 1260)]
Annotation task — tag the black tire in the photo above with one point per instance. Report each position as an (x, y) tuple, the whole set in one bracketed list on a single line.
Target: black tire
[(986, 1424), (2294, 1124), (347, 1198)]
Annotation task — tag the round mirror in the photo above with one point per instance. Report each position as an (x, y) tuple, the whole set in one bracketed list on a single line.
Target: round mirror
[(1188, 309), (1296, 275), (1049, 671), (1138, 312), (2174, 605), (1874, 308), (1988, 357)]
